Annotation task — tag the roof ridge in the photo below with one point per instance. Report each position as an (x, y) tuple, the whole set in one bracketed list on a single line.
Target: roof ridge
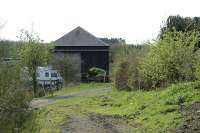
[(92, 35), (75, 38)]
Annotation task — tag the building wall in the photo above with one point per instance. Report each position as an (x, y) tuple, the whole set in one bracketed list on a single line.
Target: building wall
[(94, 59), (90, 57)]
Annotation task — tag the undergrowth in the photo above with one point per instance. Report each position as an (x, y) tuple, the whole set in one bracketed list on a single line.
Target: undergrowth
[(147, 111)]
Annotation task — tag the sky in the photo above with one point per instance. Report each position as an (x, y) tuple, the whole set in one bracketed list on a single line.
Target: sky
[(136, 21)]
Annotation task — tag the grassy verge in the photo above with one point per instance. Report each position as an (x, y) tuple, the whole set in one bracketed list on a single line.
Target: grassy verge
[(148, 111), (81, 87), (153, 111), (76, 88)]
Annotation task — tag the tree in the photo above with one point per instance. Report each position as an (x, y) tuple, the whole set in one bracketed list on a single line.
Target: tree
[(171, 59), (113, 41), (33, 53), (183, 24), (8, 49)]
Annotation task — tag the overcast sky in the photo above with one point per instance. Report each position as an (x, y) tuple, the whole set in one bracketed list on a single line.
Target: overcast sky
[(134, 20)]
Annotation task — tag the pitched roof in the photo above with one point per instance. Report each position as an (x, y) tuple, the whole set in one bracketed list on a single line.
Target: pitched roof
[(79, 37)]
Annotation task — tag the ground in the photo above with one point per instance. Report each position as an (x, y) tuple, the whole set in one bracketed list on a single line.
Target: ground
[(99, 108), (191, 115)]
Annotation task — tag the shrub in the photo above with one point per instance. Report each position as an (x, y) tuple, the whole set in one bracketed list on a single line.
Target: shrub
[(14, 101), (177, 100), (196, 85), (94, 71), (180, 93), (126, 67), (171, 59), (121, 76), (69, 66)]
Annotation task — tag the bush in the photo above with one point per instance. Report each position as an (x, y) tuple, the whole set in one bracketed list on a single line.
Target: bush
[(197, 71), (126, 66), (14, 101), (69, 66), (121, 76), (196, 85), (94, 71), (177, 100), (171, 59)]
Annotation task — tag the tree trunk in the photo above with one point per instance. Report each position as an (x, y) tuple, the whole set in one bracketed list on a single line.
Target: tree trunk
[(34, 78)]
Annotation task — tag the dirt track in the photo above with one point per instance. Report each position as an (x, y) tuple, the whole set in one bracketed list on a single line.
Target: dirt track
[(44, 102), (90, 123), (94, 123)]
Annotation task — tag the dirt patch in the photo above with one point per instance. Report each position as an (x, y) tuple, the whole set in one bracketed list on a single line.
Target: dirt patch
[(94, 123), (191, 116)]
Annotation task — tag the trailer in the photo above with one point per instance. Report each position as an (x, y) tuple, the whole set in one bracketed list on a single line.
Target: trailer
[(48, 77)]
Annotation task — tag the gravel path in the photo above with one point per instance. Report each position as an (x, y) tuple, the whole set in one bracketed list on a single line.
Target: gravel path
[(44, 102)]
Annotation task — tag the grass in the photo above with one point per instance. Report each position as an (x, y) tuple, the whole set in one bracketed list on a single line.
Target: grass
[(149, 111), (155, 111), (76, 88), (50, 118), (81, 87)]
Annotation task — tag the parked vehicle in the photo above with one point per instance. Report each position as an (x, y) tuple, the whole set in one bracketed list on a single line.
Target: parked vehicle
[(47, 77)]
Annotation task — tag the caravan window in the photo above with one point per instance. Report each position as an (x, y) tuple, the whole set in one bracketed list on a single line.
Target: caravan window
[(53, 74), (46, 74)]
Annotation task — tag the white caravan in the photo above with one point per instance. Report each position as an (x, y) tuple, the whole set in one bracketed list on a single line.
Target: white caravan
[(46, 76)]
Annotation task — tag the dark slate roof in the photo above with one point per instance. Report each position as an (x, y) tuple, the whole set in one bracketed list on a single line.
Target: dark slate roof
[(79, 37)]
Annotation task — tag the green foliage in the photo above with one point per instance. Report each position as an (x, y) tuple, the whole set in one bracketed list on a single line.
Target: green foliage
[(113, 41), (8, 49), (121, 76), (95, 71), (126, 66), (33, 54), (14, 100), (171, 59), (197, 71), (179, 23), (69, 66), (50, 119), (146, 111)]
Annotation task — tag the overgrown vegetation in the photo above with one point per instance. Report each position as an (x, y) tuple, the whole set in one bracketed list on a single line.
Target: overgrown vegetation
[(150, 111), (8, 49), (126, 66), (153, 111), (183, 24), (69, 66), (169, 67), (33, 54), (14, 99), (170, 59), (15, 96)]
